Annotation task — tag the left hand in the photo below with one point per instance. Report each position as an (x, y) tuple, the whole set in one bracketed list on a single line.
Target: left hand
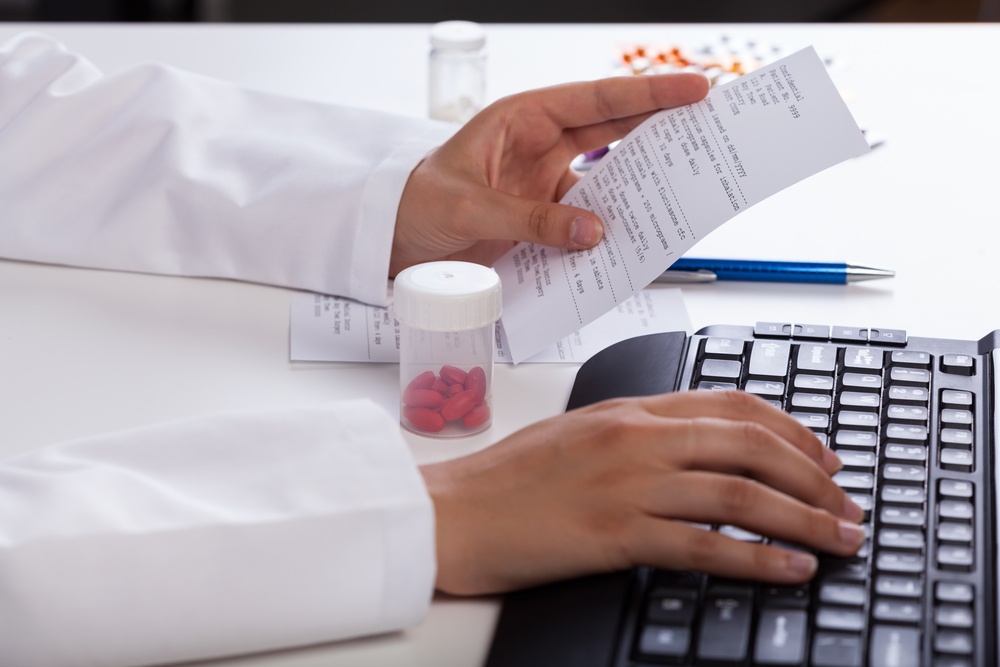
[(496, 181)]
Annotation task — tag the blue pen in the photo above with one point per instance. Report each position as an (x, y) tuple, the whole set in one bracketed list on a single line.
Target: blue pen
[(695, 270)]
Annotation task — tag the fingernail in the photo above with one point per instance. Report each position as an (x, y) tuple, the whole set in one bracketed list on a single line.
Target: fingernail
[(831, 462), (585, 232), (851, 534), (802, 563), (853, 511)]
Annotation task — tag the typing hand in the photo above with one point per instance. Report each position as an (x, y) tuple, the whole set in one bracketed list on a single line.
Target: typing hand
[(618, 483), (496, 180)]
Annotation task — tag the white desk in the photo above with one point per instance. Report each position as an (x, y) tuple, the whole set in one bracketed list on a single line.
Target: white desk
[(83, 352)]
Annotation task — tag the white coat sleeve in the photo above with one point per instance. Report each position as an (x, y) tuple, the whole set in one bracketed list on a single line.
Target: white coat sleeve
[(295, 526), (158, 170)]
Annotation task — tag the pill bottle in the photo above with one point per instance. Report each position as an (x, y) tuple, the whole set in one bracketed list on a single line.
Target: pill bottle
[(447, 312), (457, 71)]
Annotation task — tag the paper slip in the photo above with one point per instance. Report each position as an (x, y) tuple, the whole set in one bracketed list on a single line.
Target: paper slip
[(330, 328), (670, 182)]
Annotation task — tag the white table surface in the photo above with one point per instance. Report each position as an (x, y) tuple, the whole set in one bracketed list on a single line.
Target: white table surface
[(84, 351)]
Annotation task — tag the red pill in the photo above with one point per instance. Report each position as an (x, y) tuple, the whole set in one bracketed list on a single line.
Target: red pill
[(458, 406), (476, 383), (454, 389), (453, 375), (422, 398), (423, 381), (424, 419), (477, 416), (440, 386)]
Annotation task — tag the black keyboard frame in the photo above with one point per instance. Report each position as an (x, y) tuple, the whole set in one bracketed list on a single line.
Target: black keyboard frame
[(531, 629)]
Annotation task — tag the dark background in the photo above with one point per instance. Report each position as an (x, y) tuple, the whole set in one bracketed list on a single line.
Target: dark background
[(503, 11)]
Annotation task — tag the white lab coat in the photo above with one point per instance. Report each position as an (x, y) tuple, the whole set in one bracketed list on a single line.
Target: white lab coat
[(225, 533)]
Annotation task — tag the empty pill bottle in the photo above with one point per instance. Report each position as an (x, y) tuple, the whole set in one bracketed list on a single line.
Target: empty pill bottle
[(447, 313), (456, 85)]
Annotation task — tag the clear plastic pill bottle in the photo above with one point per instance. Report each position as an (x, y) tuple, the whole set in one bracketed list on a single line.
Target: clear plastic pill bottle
[(447, 313), (457, 71)]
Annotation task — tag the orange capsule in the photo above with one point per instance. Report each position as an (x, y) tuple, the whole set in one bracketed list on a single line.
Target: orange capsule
[(424, 419), (422, 398), (458, 406), (453, 375), (477, 416)]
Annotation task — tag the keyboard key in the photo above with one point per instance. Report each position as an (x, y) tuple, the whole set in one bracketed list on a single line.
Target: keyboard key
[(887, 336), (898, 586), (954, 558), (897, 611), (898, 452), (814, 383), (954, 398), (956, 436), (947, 591), (892, 561), (862, 380), (911, 358), (953, 616), (853, 595), (903, 495), (906, 433), (814, 420), (816, 358), (839, 618), (953, 642), (769, 359), (857, 399), (857, 419), (955, 488), (844, 569), (848, 334), (954, 417), (959, 460), (955, 509), (854, 480), (866, 358), (905, 473), (856, 459), (851, 438), (772, 329), (786, 597), (958, 364), (903, 516), (723, 348), (672, 606), (835, 649), (665, 642), (912, 376), (781, 637), (715, 385), (956, 533), (765, 388), (907, 413), (893, 646), (895, 538), (817, 402), (909, 394), (725, 627), (811, 332), (721, 369)]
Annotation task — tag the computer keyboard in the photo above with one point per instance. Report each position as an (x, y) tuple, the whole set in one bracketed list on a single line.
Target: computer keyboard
[(912, 421)]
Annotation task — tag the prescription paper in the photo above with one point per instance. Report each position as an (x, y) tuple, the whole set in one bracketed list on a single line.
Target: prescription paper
[(330, 328), (670, 182)]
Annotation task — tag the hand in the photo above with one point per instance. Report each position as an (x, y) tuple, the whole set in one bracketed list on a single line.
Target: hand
[(618, 483), (494, 182)]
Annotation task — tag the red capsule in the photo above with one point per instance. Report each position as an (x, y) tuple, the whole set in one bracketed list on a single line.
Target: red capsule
[(422, 398), (453, 375), (424, 419), (423, 381), (477, 416), (476, 383), (454, 389), (440, 386), (458, 406)]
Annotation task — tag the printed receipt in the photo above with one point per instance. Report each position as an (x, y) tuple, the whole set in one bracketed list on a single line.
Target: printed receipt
[(331, 328), (670, 182)]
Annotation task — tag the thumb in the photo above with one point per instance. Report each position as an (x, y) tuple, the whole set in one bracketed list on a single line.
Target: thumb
[(556, 225)]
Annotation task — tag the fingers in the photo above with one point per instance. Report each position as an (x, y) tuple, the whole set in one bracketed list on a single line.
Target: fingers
[(744, 407), (591, 102)]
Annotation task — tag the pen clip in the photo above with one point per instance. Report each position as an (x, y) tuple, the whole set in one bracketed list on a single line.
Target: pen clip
[(699, 276)]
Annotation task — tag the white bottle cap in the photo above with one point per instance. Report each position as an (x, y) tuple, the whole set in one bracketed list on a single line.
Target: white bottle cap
[(447, 296), (464, 35)]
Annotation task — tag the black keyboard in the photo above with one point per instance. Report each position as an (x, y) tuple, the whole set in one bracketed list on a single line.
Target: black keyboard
[(912, 421)]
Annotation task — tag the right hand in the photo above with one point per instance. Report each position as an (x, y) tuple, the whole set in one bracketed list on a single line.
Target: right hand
[(619, 483)]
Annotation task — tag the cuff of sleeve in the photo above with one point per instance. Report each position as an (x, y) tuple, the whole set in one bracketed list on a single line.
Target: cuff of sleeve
[(380, 202)]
